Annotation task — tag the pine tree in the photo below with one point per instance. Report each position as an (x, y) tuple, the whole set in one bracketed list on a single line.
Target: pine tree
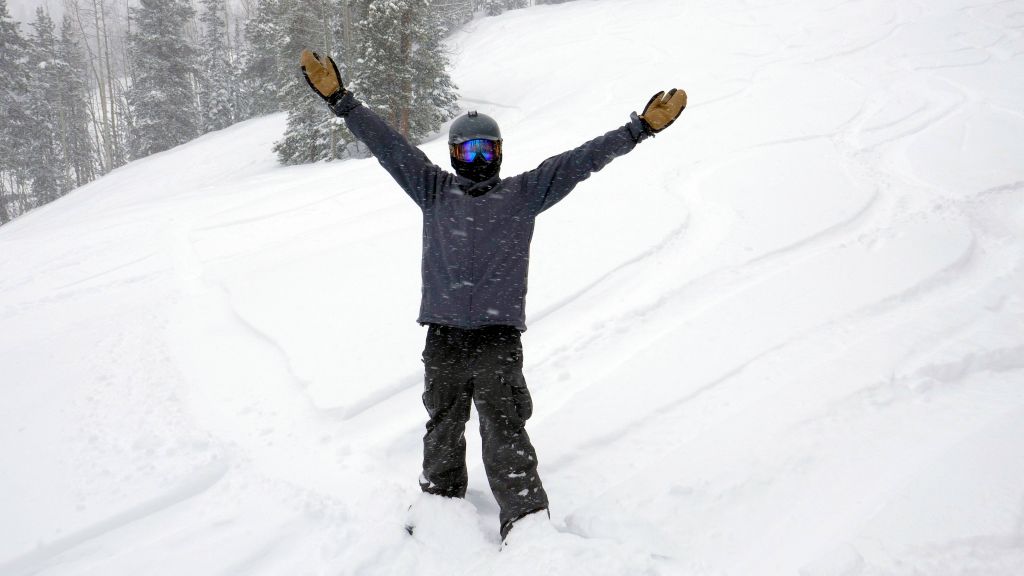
[(238, 97), (262, 79), (76, 148), (14, 119), (307, 137), (162, 98), (312, 133), (45, 170), (434, 97), (403, 69), (495, 7), (344, 32), (455, 13), (215, 85)]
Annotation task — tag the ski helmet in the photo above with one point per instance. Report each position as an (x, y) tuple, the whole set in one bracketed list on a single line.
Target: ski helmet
[(471, 126), (475, 126)]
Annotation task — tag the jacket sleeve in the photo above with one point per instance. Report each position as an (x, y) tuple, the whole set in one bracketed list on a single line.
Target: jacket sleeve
[(558, 175), (407, 164)]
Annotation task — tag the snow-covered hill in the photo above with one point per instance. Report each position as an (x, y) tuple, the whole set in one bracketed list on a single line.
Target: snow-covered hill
[(784, 337)]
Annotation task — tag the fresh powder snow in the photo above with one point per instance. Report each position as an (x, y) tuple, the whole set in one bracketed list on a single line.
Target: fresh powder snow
[(784, 337)]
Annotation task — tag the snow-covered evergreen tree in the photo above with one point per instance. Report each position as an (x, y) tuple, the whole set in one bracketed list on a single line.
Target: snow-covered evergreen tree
[(434, 95), (312, 133), (454, 13), (76, 147), (14, 119), (162, 99), (215, 81), (343, 38), (45, 170), (307, 137), (403, 68), (238, 43), (262, 79), (495, 7)]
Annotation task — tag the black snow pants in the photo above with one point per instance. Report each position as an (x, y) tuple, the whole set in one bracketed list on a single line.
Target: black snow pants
[(482, 366)]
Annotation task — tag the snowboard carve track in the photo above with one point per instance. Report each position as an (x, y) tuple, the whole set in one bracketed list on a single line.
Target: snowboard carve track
[(663, 246), (49, 554), (648, 429), (697, 293)]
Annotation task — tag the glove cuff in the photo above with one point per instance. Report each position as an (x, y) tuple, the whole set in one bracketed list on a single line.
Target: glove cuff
[(342, 102), (638, 128)]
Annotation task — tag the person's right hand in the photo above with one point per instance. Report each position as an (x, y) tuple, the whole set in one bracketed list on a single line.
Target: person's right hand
[(663, 109), (322, 74)]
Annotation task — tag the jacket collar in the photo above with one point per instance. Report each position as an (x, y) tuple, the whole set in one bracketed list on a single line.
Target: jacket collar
[(477, 189)]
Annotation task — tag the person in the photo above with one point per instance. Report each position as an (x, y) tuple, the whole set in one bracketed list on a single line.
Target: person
[(477, 229)]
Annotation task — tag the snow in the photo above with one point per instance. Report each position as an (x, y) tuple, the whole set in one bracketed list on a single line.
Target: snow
[(786, 336)]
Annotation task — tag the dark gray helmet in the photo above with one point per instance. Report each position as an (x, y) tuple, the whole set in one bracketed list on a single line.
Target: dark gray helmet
[(471, 126)]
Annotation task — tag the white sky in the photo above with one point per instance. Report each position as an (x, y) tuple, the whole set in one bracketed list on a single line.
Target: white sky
[(22, 10)]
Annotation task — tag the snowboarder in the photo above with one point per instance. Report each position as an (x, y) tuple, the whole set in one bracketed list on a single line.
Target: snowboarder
[(477, 229)]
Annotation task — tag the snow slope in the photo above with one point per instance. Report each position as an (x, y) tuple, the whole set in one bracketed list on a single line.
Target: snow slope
[(784, 337)]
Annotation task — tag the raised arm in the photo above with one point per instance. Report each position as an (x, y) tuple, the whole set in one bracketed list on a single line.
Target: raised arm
[(558, 175), (407, 164)]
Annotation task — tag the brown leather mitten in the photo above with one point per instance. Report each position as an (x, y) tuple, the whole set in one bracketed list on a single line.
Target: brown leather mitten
[(322, 74), (663, 109)]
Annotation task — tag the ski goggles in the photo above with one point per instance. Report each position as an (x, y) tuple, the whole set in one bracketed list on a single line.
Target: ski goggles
[(470, 149)]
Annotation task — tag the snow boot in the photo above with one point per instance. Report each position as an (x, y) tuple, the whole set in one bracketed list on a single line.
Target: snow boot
[(527, 523), (438, 514)]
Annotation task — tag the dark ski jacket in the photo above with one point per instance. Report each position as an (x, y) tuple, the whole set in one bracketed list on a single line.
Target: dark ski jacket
[(476, 236)]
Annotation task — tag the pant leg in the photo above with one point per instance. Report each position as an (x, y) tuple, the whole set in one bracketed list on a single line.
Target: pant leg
[(504, 405), (447, 395)]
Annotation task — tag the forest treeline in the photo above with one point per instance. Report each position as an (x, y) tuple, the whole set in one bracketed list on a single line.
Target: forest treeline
[(109, 84)]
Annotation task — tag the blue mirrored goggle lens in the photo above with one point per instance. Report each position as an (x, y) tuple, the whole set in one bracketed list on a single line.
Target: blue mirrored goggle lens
[(468, 151)]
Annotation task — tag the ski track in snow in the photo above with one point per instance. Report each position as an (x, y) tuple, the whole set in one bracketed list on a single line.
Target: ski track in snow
[(788, 372), (37, 560)]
